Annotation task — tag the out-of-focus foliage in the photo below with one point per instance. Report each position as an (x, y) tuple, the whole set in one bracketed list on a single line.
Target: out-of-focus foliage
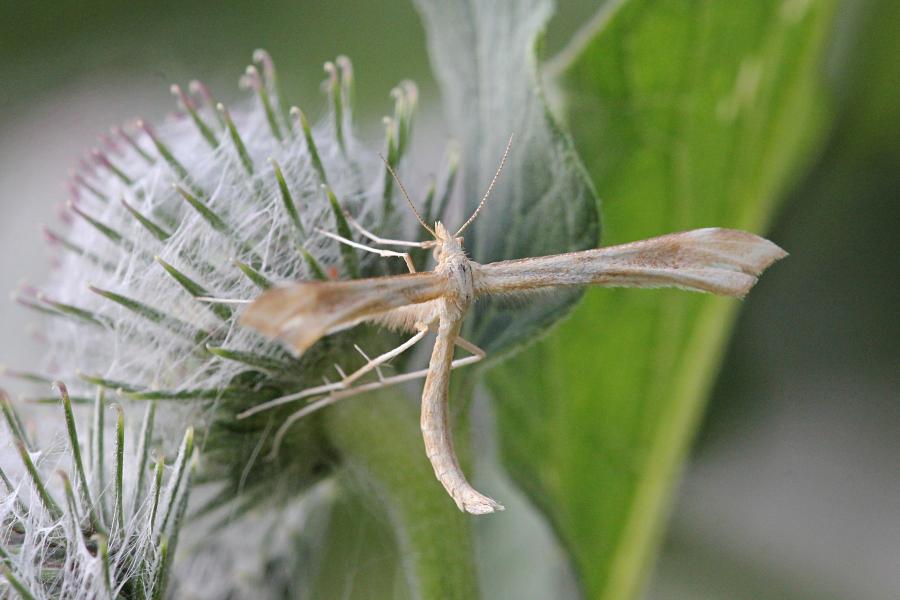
[(687, 116)]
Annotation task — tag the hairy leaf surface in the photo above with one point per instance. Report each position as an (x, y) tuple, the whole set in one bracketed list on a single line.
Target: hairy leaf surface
[(483, 54)]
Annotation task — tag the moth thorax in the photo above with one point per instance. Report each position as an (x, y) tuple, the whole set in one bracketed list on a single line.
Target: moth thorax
[(462, 283)]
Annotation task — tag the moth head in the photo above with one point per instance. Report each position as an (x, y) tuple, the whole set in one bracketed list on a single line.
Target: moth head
[(445, 243)]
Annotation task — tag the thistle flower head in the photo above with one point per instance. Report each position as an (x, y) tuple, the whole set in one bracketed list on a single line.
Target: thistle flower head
[(212, 204), (82, 519)]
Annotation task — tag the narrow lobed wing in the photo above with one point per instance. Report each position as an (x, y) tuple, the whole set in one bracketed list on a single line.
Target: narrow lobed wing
[(300, 313), (726, 262)]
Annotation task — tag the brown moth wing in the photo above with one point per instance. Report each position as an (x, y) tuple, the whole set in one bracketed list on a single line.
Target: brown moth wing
[(719, 261), (301, 313), (407, 318)]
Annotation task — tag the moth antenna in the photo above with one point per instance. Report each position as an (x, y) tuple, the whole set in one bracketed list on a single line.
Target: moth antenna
[(405, 195), (490, 187)]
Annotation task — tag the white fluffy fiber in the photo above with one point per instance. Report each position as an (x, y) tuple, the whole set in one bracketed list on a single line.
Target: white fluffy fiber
[(134, 350), (49, 556), (138, 352)]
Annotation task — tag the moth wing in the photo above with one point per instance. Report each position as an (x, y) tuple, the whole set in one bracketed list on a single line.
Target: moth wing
[(719, 261), (299, 314), (406, 318)]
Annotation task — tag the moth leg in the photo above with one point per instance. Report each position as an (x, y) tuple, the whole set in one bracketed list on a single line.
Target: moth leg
[(379, 360), (471, 348), (380, 240), (383, 382), (380, 252), (346, 380)]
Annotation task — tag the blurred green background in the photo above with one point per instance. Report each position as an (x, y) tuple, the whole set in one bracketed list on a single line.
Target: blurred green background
[(794, 487)]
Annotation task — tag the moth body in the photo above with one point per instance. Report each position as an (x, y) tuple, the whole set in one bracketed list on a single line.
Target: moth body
[(725, 262), (456, 267), (449, 311)]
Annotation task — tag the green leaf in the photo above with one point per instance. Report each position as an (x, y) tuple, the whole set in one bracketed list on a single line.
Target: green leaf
[(687, 115), (544, 202), (382, 448)]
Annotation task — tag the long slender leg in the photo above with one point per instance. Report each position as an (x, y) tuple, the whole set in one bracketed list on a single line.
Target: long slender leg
[(380, 240), (383, 358), (470, 347), (404, 255), (345, 381), (338, 391), (383, 382)]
